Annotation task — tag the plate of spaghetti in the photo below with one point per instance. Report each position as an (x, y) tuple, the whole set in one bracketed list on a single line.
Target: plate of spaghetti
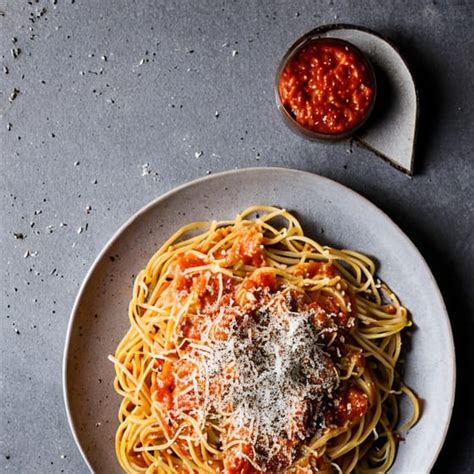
[(290, 328)]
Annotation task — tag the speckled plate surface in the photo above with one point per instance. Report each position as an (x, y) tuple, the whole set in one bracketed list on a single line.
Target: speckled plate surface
[(330, 213)]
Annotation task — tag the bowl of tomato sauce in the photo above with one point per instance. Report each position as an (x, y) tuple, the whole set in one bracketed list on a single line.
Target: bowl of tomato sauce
[(325, 87)]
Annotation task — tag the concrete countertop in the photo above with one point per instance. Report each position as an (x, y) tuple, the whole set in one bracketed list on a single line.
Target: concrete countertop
[(105, 105)]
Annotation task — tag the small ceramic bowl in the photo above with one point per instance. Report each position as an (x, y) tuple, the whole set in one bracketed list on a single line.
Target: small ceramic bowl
[(313, 37)]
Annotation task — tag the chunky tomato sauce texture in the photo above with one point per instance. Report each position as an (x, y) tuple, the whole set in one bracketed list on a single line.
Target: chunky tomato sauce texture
[(232, 300), (327, 87)]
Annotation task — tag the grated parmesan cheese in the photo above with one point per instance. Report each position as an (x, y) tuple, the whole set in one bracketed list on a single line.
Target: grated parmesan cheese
[(266, 380)]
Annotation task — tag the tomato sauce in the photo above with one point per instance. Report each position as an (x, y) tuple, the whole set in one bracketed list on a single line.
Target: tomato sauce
[(313, 269), (327, 86), (137, 459), (236, 461), (165, 385), (259, 281), (352, 405), (248, 249), (216, 298)]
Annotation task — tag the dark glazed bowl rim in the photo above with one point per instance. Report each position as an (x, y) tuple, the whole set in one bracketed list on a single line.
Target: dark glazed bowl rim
[(315, 36)]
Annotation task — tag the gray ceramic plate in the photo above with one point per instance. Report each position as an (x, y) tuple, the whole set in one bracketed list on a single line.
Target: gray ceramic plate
[(330, 213)]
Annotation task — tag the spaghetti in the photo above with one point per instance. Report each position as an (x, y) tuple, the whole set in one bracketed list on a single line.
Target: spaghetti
[(252, 348)]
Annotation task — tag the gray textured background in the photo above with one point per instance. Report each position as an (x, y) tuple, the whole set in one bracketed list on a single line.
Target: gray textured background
[(108, 86)]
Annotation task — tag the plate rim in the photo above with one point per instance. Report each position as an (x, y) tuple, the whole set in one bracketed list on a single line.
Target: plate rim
[(176, 190)]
